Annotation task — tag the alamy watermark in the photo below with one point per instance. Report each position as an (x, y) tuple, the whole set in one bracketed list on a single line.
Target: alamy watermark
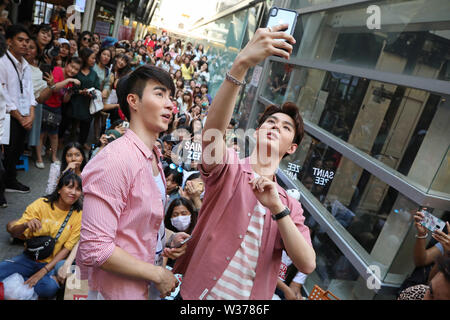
[(374, 20), (373, 281), (73, 18)]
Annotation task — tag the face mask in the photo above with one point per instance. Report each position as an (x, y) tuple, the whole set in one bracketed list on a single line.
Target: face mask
[(181, 223), (204, 104)]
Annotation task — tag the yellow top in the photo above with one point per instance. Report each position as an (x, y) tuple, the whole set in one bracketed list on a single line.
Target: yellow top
[(187, 72), (51, 220)]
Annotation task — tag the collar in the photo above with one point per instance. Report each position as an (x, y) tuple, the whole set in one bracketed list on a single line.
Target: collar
[(141, 145), (23, 62), (246, 167)]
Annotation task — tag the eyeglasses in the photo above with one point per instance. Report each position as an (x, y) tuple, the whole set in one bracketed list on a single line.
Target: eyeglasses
[(173, 166), (86, 38)]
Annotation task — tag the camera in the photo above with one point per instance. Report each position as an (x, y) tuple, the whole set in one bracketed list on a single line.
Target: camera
[(110, 138), (52, 52)]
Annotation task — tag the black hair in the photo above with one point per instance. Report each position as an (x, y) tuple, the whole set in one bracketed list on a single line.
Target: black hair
[(136, 82), (177, 176), (191, 126), (125, 70), (76, 60), (67, 179), (15, 29), (99, 54), (193, 176), (3, 46), (66, 149), (443, 265), (84, 54), (80, 38), (181, 202)]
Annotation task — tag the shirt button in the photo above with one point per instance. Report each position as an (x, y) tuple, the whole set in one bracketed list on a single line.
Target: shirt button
[(228, 258), (215, 279), (240, 236), (249, 214)]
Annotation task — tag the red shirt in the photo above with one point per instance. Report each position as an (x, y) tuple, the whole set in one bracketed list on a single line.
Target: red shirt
[(55, 100), (222, 223)]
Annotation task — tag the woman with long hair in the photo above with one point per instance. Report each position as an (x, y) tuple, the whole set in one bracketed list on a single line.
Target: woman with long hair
[(73, 158), (82, 98), (44, 217), (44, 41), (121, 68), (102, 68)]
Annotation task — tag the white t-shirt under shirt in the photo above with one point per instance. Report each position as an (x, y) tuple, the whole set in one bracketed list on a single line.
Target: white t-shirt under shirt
[(153, 293)]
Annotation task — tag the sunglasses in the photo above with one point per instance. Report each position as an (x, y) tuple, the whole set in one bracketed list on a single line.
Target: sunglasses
[(85, 38), (173, 166)]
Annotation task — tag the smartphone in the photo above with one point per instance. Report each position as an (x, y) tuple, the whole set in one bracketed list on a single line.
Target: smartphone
[(46, 68), (431, 222), (279, 16), (182, 243)]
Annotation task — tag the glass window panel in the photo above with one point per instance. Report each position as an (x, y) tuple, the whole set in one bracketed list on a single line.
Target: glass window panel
[(373, 215), (413, 39), (403, 128)]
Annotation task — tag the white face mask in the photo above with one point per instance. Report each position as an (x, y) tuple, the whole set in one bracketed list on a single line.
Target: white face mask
[(181, 223)]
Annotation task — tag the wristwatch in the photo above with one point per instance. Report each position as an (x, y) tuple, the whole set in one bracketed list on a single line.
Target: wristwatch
[(282, 214)]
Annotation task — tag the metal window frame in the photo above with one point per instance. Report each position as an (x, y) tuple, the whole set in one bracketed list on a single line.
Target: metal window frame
[(333, 5), (355, 256), (398, 181), (238, 7), (432, 85)]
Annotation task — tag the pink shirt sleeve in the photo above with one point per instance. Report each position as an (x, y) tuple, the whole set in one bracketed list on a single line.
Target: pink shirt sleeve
[(105, 188)]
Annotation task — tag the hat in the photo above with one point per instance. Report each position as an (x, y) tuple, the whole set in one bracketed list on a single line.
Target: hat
[(63, 41), (109, 42)]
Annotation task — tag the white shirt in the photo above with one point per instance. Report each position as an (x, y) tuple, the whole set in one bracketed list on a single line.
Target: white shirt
[(10, 81), (2, 109)]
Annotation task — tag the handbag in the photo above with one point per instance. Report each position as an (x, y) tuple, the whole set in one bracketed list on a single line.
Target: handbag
[(50, 118), (39, 248)]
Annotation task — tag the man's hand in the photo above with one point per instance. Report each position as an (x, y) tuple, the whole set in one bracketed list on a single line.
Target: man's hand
[(266, 43), (34, 225), (166, 283), (443, 238), (421, 230), (267, 193)]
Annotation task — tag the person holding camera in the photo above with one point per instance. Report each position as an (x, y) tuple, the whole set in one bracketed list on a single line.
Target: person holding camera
[(59, 82), (81, 99), (44, 219), (48, 49)]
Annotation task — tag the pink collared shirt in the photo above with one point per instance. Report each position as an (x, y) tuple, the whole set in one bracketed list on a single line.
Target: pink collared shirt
[(224, 218), (122, 207)]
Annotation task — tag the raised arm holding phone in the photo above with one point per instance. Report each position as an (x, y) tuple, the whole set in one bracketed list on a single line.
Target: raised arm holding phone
[(246, 217)]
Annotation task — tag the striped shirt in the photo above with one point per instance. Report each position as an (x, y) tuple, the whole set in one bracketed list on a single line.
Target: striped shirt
[(236, 282)]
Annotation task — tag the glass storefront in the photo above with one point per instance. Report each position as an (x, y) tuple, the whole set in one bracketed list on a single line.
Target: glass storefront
[(361, 94), (413, 39), (223, 39), (391, 123)]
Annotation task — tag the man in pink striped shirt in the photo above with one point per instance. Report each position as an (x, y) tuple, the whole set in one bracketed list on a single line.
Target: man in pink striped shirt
[(246, 217), (124, 198)]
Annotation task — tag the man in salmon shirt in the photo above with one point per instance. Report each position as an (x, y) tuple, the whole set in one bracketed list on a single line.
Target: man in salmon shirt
[(246, 219), (122, 235)]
